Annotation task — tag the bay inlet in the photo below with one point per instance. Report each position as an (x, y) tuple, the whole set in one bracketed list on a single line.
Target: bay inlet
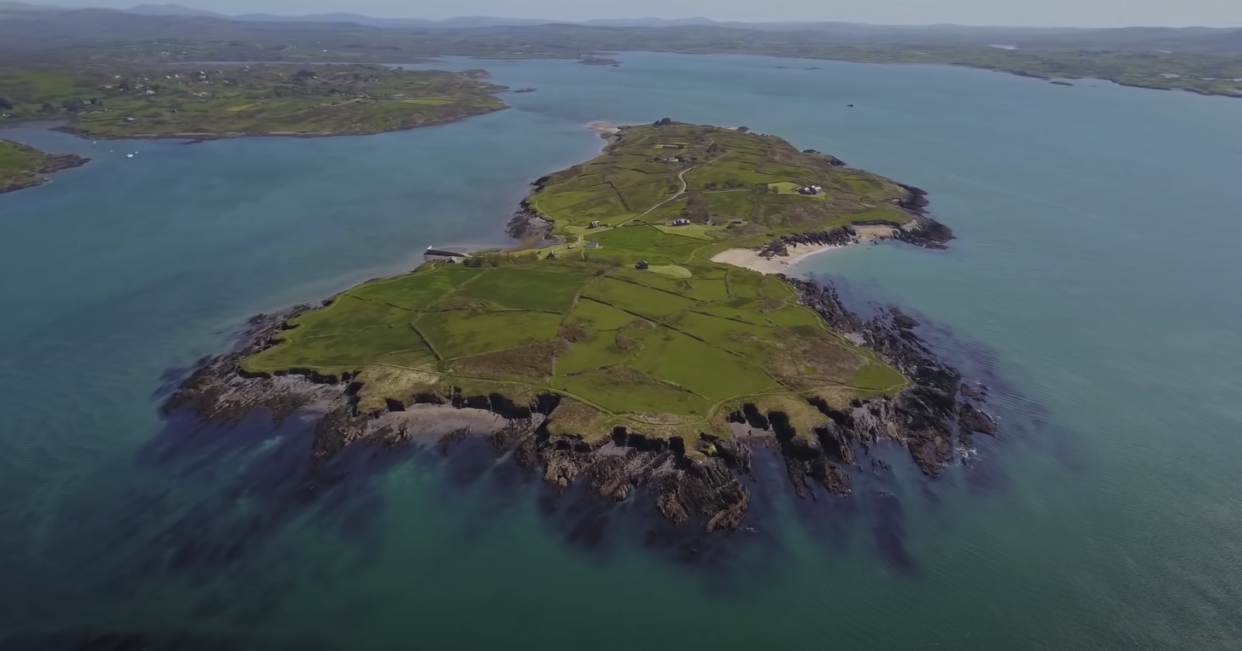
[(1096, 242)]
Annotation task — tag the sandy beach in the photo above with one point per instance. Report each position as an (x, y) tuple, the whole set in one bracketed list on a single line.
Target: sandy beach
[(603, 128), (750, 258)]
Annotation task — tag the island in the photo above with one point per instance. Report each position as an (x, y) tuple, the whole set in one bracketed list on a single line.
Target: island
[(624, 342), (205, 102), (25, 167), (595, 60)]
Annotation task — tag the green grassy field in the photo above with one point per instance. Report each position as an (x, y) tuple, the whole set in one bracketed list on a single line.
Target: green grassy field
[(112, 101), (19, 164), (668, 350), (737, 184)]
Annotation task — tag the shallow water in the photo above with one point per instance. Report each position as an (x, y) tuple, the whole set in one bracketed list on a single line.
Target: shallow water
[(1091, 284)]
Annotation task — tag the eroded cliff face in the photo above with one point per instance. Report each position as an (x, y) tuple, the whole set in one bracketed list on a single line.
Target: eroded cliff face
[(688, 482)]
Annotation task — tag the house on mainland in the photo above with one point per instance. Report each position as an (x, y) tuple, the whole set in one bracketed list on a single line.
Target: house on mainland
[(592, 245), (642, 264)]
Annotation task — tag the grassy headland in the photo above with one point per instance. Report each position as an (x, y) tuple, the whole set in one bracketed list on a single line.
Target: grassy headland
[(123, 101), (670, 347), (24, 167)]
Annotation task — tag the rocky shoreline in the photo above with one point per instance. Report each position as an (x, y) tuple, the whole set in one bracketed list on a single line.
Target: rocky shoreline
[(688, 481), (526, 224), (923, 231), (779, 254), (54, 164)]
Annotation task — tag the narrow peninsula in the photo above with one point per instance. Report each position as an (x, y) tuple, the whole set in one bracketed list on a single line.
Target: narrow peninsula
[(26, 167), (212, 101), (618, 345)]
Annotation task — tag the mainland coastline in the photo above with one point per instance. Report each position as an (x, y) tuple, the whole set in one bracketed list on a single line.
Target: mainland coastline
[(689, 475), (124, 102)]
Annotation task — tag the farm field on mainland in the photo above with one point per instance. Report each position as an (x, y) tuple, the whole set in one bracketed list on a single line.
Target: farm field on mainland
[(122, 100)]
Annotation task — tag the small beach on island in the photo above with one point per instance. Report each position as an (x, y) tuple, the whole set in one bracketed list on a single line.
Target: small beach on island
[(755, 260)]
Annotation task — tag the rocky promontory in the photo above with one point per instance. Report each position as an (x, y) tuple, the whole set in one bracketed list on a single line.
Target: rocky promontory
[(38, 175), (922, 230)]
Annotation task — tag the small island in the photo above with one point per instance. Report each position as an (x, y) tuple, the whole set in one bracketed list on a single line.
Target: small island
[(594, 60), (627, 341), (191, 102), (25, 167)]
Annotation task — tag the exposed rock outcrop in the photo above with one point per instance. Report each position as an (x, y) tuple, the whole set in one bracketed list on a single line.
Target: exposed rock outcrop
[(527, 225), (840, 236), (922, 230), (931, 418)]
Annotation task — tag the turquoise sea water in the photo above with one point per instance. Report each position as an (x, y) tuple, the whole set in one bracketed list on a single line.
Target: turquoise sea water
[(1093, 284)]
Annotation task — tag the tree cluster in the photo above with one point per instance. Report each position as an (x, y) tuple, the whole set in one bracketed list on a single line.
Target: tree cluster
[(697, 209)]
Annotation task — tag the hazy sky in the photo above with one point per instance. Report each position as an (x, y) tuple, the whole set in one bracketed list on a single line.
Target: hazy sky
[(1087, 13)]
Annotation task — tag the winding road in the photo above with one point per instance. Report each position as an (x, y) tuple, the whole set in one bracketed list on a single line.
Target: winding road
[(681, 176)]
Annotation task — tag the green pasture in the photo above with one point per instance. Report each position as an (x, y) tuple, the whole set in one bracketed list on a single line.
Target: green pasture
[(119, 100), (462, 333)]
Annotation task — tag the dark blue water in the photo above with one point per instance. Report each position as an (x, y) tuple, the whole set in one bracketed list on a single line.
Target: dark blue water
[(1092, 278)]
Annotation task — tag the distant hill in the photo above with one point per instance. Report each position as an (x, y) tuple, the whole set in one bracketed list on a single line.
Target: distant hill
[(397, 23), (652, 22), (483, 35), (173, 10), (111, 24), (9, 10)]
